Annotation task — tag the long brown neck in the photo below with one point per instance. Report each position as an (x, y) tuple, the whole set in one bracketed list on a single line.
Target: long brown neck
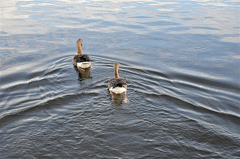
[(116, 70), (79, 48)]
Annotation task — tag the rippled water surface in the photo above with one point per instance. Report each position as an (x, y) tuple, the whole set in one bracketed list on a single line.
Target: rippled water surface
[(181, 60)]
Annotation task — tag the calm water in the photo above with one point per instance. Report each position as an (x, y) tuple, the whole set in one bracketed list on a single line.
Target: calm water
[(181, 60)]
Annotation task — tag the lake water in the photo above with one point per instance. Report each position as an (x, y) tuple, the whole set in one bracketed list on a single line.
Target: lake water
[(181, 60)]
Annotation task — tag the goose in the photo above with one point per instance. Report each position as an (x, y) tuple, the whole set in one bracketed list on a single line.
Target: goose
[(81, 60), (118, 85)]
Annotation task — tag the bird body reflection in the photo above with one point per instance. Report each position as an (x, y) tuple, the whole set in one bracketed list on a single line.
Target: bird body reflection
[(83, 73)]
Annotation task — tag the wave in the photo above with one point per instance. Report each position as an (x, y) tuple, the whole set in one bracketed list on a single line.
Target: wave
[(59, 81)]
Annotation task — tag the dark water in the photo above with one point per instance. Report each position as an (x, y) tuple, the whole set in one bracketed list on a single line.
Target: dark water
[(181, 61)]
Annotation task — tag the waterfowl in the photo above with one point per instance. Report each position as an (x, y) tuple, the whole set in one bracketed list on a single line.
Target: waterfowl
[(118, 85), (81, 60)]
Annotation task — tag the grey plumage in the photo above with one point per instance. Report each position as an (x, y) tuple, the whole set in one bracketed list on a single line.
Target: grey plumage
[(117, 82), (80, 58)]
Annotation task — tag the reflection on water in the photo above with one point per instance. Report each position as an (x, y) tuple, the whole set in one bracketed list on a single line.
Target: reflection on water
[(180, 59), (117, 98), (83, 73)]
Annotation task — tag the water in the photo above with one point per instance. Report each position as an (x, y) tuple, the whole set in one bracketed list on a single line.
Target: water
[(180, 59)]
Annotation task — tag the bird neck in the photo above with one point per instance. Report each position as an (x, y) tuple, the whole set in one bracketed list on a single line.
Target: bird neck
[(79, 49), (116, 72)]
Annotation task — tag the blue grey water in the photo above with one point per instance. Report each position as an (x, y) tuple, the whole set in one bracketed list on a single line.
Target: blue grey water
[(181, 60)]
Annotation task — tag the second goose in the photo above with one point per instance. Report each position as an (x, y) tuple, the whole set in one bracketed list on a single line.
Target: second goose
[(118, 85)]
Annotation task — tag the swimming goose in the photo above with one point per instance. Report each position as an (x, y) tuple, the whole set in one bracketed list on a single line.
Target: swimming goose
[(81, 60), (118, 85)]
